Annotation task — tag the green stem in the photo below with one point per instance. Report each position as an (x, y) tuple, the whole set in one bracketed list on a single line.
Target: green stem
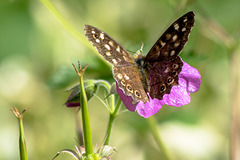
[(112, 98), (22, 142), (85, 119), (112, 103), (109, 129), (153, 127), (118, 107), (104, 84), (110, 122)]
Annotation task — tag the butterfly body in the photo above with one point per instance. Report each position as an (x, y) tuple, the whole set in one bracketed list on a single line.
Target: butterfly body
[(152, 75), (140, 63)]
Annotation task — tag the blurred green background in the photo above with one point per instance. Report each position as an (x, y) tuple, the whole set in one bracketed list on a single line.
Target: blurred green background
[(36, 56)]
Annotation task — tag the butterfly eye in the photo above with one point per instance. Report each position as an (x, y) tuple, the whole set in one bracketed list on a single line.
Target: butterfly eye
[(137, 94), (170, 80), (175, 66), (95, 36), (175, 73), (163, 88), (123, 83), (129, 88)]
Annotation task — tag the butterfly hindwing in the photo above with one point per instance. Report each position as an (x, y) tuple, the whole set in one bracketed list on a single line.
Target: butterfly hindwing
[(162, 76), (129, 80), (172, 41), (107, 47)]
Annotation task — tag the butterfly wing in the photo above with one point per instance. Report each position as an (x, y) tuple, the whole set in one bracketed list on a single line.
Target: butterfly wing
[(125, 70), (162, 63), (108, 48), (162, 76), (172, 41), (129, 79)]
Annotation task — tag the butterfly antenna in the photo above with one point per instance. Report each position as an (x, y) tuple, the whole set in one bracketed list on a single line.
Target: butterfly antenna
[(142, 45), (140, 51)]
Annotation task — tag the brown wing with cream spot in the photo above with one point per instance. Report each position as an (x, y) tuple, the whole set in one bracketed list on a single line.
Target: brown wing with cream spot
[(129, 80), (108, 48), (162, 76), (172, 41)]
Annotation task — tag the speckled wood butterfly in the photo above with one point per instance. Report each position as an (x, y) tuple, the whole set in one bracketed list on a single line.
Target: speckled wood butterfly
[(157, 72)]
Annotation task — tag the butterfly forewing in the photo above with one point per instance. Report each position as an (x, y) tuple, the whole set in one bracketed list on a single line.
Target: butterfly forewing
[(172, 41), (108, 48)]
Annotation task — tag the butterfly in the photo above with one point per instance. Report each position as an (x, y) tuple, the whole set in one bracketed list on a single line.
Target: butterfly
[(152, 75)]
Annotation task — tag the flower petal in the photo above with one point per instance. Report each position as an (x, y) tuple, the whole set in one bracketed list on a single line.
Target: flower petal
[(77, 104), (179, 95), (127, 100), (192, 76), (146, 110), (189, 81), (149, 108)]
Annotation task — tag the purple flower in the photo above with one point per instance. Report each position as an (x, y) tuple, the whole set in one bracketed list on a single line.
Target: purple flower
[(189, 81)]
